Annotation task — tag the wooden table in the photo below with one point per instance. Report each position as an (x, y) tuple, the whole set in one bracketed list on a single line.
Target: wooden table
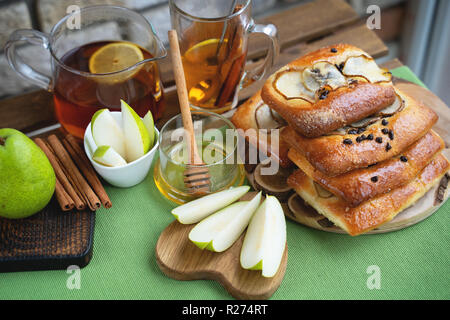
[(301, 29)]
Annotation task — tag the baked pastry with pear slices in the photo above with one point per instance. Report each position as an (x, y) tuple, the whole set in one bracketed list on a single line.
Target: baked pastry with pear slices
[(254, 115), (328, 89), (374, 212), (366, 142), (363, 184), (364, 149)]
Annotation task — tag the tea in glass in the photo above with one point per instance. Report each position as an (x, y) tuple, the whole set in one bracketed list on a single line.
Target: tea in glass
[(214, 67), (77, 97), (213, 40)]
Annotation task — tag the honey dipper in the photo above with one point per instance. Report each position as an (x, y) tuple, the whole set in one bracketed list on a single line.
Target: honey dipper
[(196, 178)]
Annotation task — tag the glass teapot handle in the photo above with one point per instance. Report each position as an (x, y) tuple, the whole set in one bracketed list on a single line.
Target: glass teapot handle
[(33, 37), (258, 73)]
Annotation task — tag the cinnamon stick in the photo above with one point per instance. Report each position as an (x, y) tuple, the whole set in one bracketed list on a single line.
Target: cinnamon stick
[(61, 153), (64, 200), (72, 155), (238, 57), (231, 82), (79, 204), (85, 166), (71, 179)]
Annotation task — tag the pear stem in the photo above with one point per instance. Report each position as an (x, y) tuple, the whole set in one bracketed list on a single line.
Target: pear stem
[(2, 141)]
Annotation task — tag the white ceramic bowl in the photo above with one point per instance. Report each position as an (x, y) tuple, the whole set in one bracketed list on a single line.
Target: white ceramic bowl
[(125, 176)]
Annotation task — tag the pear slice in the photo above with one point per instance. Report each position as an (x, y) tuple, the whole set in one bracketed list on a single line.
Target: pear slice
[(398, 105), (107, 132), (266, 118), (219, 231), (107, 156), (323, 74), (265, 240), (289, 83), (197, 210), (150, 125), (137, 140), (366, 67)]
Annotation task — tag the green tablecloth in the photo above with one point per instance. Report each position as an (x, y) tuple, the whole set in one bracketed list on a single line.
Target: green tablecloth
[(414, 263)]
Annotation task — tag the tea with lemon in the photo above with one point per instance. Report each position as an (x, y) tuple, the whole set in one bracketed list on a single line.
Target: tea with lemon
[(106, 72), (213, 71)]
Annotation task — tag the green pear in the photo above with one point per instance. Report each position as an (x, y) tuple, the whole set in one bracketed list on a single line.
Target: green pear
[(265, 240), (150, 125), (107, 156), (107, 132), (197, 210), (27, 177), (137, 139), (219, 231)]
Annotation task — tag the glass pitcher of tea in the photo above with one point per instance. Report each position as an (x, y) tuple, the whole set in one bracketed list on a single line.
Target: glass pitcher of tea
[(213, 38), (99, 55)]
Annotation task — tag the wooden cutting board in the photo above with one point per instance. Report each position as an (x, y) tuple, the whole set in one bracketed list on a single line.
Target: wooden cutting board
[(48, 240), (422, 209), (180, 259)]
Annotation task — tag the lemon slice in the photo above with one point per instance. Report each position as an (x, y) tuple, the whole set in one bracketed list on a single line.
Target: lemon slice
[(115, 57), (201, 51)]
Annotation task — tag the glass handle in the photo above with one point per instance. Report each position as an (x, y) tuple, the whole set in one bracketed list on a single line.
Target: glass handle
[(259, 72), (16, 62)]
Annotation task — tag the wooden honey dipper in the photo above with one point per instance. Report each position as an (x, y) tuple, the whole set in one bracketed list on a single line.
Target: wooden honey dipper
[(196, 179)]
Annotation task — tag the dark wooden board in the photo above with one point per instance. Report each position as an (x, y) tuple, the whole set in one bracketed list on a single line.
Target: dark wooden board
[(48, 240), (28, 112)]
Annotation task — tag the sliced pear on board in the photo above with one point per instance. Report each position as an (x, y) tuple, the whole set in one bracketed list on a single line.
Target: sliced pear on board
[(197, 210), (107, 156), (265, 240), (107, 132), (219, 231), (137, 140), (150, 125)]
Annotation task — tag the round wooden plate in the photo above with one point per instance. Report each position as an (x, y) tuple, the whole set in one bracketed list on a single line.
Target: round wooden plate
[(422, 209), (180, 259)]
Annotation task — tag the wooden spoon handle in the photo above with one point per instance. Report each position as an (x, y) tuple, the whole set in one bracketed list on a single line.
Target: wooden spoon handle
[(183, 98)]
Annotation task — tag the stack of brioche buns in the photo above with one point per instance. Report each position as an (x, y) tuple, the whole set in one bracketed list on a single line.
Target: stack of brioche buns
[(362, 150)]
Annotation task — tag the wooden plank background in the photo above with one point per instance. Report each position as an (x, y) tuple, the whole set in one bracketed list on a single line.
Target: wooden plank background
[(300, 30)]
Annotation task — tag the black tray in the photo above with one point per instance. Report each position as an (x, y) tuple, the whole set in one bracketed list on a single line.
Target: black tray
[(49, 240)]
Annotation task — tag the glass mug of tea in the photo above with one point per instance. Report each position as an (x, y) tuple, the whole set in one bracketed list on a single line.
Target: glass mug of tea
[(213, 39), (99, 55)]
